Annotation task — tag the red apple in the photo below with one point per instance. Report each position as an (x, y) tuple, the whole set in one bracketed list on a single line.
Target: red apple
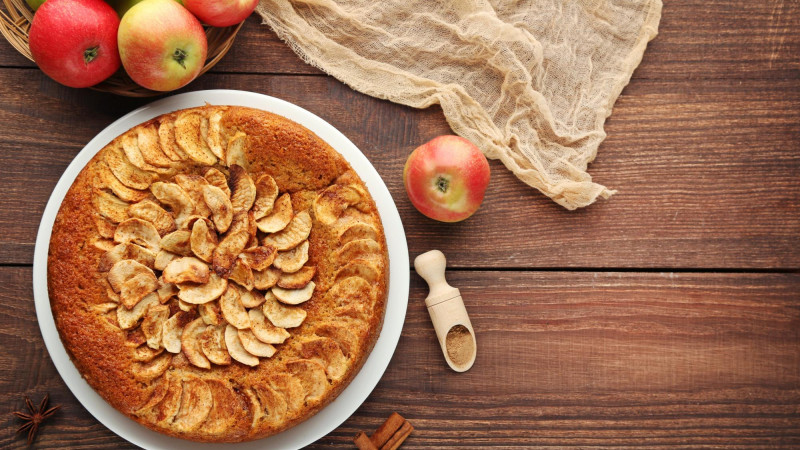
[(75, 41), (162, 45), (221, 13), (446, 178)]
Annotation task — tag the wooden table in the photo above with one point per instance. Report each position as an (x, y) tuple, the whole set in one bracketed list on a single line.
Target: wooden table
[(668, 315)]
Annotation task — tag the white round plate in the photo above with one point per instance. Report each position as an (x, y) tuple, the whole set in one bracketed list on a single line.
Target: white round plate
[(362, 385)]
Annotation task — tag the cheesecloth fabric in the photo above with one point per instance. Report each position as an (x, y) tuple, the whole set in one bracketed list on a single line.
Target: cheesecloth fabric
[(530, 82)]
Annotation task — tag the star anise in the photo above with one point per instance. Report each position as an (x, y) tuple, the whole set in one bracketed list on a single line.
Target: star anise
[(36, 417)]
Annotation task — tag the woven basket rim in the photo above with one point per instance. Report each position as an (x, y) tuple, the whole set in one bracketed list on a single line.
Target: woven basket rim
[(15, 22)]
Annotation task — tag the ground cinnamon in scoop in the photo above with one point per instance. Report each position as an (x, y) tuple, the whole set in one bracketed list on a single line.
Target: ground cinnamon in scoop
[(459, 345)]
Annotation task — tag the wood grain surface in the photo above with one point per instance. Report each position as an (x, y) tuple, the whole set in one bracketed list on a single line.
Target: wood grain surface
[(564, 358), (668, 315)]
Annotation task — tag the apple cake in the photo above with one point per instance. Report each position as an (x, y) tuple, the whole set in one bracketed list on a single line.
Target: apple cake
[(218, 273)]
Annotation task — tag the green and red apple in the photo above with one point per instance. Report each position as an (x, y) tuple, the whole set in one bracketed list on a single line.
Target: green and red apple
[(75, 41), (162, 45), (446, 178), (221, 13)]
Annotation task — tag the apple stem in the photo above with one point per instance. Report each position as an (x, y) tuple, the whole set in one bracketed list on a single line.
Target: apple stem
[(90, 54), (179, 56), (442, 184)]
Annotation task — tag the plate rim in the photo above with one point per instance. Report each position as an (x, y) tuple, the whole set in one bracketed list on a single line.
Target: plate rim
[(362, 385)]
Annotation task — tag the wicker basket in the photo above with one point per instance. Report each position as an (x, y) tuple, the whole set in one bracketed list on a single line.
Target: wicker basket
[(15, 21)]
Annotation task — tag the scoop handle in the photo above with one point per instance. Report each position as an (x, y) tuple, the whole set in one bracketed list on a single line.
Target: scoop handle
[(431, 266)]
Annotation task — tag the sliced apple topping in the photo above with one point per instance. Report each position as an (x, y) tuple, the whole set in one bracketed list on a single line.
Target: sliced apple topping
[(166, 138), (145, 353), (228, 251), (190, 344), (197, 294), (150, 370), (163, 258), (179, 242), (259, 258), (166, 291), (359, 268), (281, 315), (242, 274), (187, 135), (104, 178), (265, 279), (126, 251), (229, 407), (196, 403), (358, 248), (211, 313), (264, 330), (296, 232), (297, 280), (130, 146), (203, 240), (327, 352), (294, 296), (212, 342), (150, 211), (175, 198), (127, 173), (279, 217), (243, 190), (128, 318), (220, 205), (149, 146), (237, 150), (214, 138), (266, 194), (311, 375), (110, 206), (169, 407), (341, 334), (331, 202), (254, 346), (273, 405), (172, 331), (251, 299), (193, 185), (292, 260), (218, 179), (186, 270), (132, 281), (104, 227), (139, 232), (358, 230), (153, 324), (232, 308), (235, 348)]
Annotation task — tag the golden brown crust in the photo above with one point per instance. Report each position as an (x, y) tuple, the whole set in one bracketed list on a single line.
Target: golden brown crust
[(166, 390)]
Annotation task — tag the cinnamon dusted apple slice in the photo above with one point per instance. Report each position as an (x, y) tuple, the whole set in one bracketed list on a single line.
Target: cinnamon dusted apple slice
[(296, 232), (127, 173), (266, 194), (243, 190), (351, 290), (327, 352), (212, 342), (123, 271), (359, 268), (203, 240), (166, 291), (109, 206), (151, 212), (292, 260), (179, 242), (281, 315), (291, 389), (133, 281), (147, 371), (166, 138), (265, 279), (236, 349), (128, 318), (272, 405), (130, 146), (126, 251), (104, 178), (193, 185), (104, 227), (259, 258), (187, 307), (232, 308), (211, 313), (139, 232), (172, 331), (294, 296), (190, 344), (169, 407), (227, 251), (214, 135), (186, 270), (264, 330), (187, 135), (176, 198), (163, 258), (346, 340), (229, 408), (359, 248), (242, 274), (279, 217), (159, 392), (237, 150), (220, 205), (196, 403), (104, 308), (145, 353), (197, 294), (101, 244), (254, 346), (331, 202), (251, 299), (358, 230), (149, 146), (218, 179), (153, 324), (297, 280), (311, 375)]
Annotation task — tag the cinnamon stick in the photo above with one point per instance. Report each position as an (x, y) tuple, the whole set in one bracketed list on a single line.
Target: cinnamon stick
[(363, 442), (399, 437), (387, 430)]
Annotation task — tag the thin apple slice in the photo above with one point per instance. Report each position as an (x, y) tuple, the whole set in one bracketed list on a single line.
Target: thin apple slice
[(104, 178), (193, 185), (227, 252), (166, 291), (243, 190), (259, 258), (242, 274), (152, 212), (254, 346), (251, 299), (130, 146), (237, 150), (341, 334), (328, 353), (220, 205), (282, 316), (296, 232), (148, 371), (203, 240), (197, 294), (196, 403), (232, 308), (358, 230), (126, 251), (145, 353), (264, 330), (229, 408), (186, 270), (272, 404), (123, 271), (331, 202), (211, 313), (127, 173), (172, 331), (235, 348), (133, 289), (153, 323), (176, 198), (148, 141), (218, 179), (104, 227), (266, 194), (214, 138), (171, 403), (166, 138), (139, 232), (179, 242), (297, 280), (294, 296), (163, 258), (279, 217), (359, 268), (110, 206), (190, 344), (187, 135), (292, 260), (212, 342), (128, 318), (359, 248), (311, 375), (291, 389), (265, 279)]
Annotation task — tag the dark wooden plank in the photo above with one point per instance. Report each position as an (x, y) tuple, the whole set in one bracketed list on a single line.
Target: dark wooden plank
[(697, 39), (707, 172), (564, 358)]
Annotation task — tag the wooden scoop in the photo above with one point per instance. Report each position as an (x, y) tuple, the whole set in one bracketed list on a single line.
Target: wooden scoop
[(448, 314)]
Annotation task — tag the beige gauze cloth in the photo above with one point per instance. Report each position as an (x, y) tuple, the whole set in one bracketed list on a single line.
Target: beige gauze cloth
[(530, 82)]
